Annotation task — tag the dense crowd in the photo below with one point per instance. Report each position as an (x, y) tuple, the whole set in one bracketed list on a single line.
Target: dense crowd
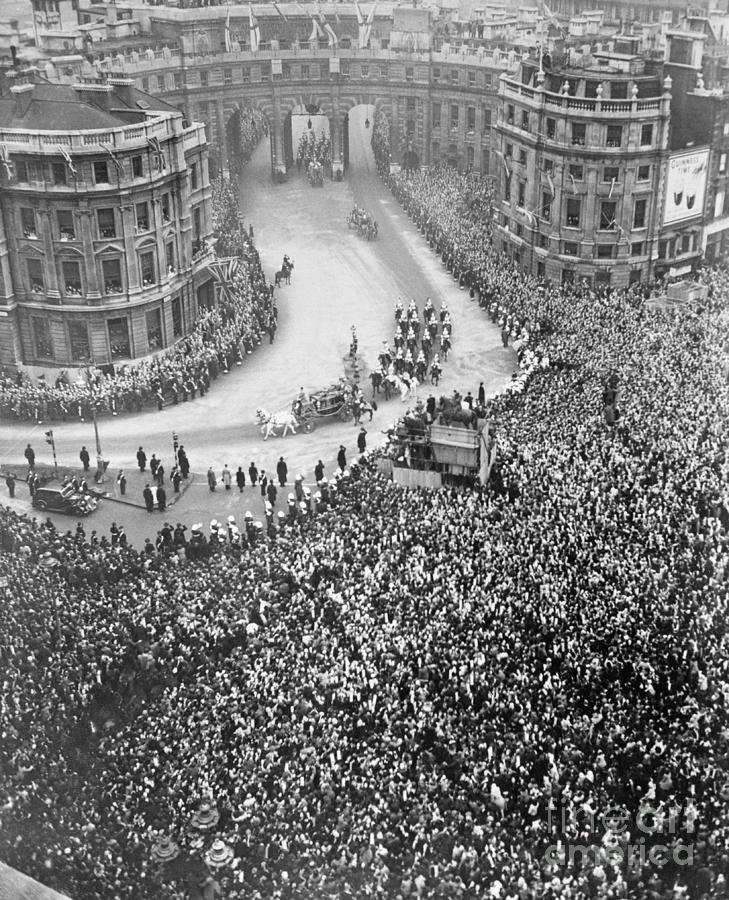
[(403, 693), (381, 142), (245, 132), (221, 338)]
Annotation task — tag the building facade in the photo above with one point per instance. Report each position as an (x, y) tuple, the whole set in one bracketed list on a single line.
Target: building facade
[(581, 152), (106, 224)]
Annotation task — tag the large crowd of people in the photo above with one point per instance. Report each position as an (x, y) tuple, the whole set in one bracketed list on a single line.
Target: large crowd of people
[(221, 338), (515, 692)]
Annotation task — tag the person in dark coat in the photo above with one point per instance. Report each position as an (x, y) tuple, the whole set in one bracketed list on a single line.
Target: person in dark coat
[(342, 457), (85, 459), (282, 470), (264, 482), (141, 459), (481, 395), (153, 464), (159, 475), (29, 454), (10, 482), (176, 479), (161, 498), (240, 479), (362, 440), (253, 473), (271, 493), (121, 480), (183, 462), (148, 498), (318, 471)]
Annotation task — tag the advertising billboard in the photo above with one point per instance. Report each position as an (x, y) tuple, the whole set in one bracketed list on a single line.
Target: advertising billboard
[(685, 185)]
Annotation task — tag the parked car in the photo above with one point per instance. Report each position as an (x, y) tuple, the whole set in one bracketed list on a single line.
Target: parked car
[(58, 500)]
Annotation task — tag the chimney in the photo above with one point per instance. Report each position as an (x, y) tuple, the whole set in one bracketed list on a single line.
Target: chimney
[(23, 94), (123, 90), (96, 94)]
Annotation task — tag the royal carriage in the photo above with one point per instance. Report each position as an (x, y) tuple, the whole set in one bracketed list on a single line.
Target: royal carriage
[(334, 402), (363, 222)]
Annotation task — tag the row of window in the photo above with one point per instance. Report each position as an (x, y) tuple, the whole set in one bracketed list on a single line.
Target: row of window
[(158, 83), (57, 172), (455, 116), (72, 273), (611, 135), (78, 344), (573, 208), (576, 171), (105, 219), (451, 156)]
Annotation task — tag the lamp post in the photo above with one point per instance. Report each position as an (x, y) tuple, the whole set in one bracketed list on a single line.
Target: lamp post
[(99, 477)]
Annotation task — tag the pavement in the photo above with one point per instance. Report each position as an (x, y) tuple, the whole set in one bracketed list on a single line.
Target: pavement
[(339, 280)]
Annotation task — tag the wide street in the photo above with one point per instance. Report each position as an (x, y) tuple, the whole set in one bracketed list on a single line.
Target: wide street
[(339, 280)]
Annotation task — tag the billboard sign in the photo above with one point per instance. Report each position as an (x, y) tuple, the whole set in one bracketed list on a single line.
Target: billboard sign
[(685, 185)]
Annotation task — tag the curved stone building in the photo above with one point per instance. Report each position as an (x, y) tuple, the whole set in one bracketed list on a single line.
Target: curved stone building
[(105, 223)]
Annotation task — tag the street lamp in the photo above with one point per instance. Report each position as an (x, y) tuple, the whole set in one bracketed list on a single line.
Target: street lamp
[(99, 457), (367, 122)]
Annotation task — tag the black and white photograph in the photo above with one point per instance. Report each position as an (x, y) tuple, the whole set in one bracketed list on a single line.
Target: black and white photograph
[(364, 474)]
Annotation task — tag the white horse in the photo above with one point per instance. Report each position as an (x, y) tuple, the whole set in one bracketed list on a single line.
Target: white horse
[(271, 422), (408, 389)]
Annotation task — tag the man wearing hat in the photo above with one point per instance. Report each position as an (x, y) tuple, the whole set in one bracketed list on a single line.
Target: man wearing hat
[(271, 492), (282, 470), (318, 471), (342, 457), (362, 439), (148, 498)]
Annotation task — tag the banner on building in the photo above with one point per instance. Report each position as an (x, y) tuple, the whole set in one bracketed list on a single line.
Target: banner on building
[(685, 185)]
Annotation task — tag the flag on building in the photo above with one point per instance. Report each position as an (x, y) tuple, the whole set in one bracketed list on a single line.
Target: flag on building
[(280, 12), (361, 27), (368, 25), (255, 31), (228, 41), (333, 39), (316, 32)]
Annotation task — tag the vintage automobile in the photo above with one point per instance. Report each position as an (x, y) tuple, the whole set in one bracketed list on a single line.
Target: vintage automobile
[(61, 500)]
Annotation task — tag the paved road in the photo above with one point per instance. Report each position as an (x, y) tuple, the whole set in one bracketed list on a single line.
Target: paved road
[(339, 280)]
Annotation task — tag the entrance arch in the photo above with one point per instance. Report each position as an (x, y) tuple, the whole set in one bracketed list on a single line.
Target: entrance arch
[(306, 132), (246, 127), (357, 128)]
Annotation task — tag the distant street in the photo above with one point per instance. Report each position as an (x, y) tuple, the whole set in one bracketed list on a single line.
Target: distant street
[(339, 280)]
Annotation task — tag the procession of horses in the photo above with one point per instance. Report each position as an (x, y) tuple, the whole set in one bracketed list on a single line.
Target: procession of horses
[(363, 222), (421, 344)]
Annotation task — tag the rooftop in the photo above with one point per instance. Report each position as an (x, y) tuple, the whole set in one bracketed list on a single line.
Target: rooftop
[(41, 105)]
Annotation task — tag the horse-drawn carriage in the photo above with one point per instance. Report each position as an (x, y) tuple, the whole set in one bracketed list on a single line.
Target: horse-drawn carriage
[(364, 223), (334, 402), (316, 174)]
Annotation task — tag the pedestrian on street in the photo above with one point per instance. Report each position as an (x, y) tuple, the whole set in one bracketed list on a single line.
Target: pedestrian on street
[(212, 480), (271, 493), (342, 457), (481, 394), (153, 463), (161, 498), (240, 479), (85, 459), (183, 462), (141, 459), (253, 473), (159, 475), (469, 400), (148, 498), (121, 480), (10, 482), (318, 471), (264, 482), (226, 477), (29, 454), (356, 411), (282, 470), (362, 439), (31, 483), (176, 479), (505, 337)]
